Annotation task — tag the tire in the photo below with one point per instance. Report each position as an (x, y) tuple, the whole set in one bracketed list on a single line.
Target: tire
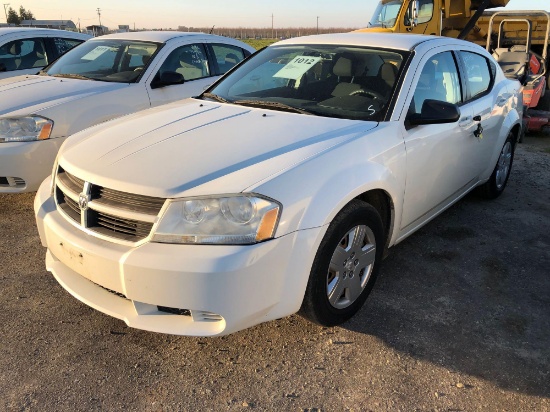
[(494, 187), (521, 136), (354, 243)]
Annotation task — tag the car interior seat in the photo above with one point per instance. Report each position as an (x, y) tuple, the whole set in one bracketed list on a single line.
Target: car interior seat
[(343, 69), (36, 58), (231, 59), (15, 51), (428, 87), (386, 77), (187, 66), (513, 61)]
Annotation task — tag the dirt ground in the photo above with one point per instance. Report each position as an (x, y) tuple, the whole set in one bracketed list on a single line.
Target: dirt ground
[(458, 321)]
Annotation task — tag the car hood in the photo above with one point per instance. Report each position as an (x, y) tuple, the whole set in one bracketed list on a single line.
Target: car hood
[(195, 148), (23, 95)]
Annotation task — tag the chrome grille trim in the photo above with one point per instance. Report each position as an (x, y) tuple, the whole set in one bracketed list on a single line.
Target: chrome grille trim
[(122, 213), (71, 182), (146, 205), (105, 212)]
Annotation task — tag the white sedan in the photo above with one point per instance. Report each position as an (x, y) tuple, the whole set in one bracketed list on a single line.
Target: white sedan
[(27, 50), (104, 78), (280, 188)]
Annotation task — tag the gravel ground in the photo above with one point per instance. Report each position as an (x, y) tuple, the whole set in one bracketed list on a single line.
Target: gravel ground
[(458, 321)]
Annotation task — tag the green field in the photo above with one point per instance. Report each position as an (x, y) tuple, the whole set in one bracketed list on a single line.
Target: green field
[(259, 43)]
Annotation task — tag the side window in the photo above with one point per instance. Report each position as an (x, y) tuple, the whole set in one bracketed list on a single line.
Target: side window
[(64, 45), (438, 81), (477, 73), (426, 11), (227, 56), (189, 60), (23, 54)]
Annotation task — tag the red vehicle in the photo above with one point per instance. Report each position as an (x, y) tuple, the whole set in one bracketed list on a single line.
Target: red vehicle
[(520, 62)]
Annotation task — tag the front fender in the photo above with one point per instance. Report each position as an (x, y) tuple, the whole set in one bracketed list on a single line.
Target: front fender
[(313, 192)]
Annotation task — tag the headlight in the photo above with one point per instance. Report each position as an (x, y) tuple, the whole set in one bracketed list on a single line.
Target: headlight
[(228, 220), (25, 129)]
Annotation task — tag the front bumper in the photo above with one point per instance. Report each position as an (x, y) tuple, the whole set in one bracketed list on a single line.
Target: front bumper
[(221, 289), (23, 166)]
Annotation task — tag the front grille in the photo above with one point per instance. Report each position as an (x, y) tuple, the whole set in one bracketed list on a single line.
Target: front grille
[(72, 182), (109, 212), (15, 182), (127, 201), (68, 205), (126, 229)]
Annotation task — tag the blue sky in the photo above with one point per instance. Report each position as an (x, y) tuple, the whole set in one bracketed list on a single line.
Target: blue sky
[(221, 13)]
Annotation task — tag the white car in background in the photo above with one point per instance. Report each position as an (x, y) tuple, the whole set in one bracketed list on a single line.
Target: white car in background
[(104, 78), (27, 50), (281, 187)]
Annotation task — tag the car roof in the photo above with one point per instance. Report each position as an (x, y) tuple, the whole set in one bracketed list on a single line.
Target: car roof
[(395, 41), (160, 36), (40, 31)]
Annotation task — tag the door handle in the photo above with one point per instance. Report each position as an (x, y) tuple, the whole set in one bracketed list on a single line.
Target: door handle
[(465, 121)]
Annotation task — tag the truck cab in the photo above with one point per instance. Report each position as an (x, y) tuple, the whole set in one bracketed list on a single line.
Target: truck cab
[(436, 17)]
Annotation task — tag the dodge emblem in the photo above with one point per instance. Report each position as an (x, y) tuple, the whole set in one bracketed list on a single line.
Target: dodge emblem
[(83, 201)]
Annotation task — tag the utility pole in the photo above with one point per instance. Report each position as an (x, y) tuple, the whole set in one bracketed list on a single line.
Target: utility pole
[(99, 15), (272, 26), (6, 11), (317, 24)]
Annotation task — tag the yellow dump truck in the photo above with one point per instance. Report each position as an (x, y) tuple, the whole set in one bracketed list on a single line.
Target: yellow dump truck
[(463, 19), (516, 38)]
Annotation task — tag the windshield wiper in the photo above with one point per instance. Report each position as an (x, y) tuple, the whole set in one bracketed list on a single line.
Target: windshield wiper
[(73, 76), (214, 97), (271, 105)]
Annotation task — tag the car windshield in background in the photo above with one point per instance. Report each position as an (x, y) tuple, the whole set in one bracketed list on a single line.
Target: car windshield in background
[(324, 80), (120, 61)]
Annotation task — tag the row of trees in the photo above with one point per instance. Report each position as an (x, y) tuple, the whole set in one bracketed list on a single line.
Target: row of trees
[(14, 18), (265, 32)]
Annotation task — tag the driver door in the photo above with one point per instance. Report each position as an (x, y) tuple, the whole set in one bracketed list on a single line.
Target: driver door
[(427, 19), (441, 161), (191, 62)]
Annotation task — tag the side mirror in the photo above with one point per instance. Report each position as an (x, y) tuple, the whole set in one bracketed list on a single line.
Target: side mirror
[(167, 79), (413, 13), (435, 112), (3, 67)]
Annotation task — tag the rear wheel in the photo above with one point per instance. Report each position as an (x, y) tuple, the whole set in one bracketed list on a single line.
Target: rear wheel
[(345, 266), (494, 187)]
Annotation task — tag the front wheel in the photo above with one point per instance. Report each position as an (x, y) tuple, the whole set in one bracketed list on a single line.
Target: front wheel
[(345, 266), (494, 187)]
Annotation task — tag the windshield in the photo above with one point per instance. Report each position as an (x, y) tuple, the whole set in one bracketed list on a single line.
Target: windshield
[(120, 61), (386, 13), (324, 80)]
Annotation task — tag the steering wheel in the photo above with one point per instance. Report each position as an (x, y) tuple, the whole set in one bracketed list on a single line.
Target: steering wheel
[(367, 93)]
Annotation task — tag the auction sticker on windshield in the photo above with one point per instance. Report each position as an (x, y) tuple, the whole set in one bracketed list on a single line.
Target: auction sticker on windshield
[(95, 53), (297, 67)]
